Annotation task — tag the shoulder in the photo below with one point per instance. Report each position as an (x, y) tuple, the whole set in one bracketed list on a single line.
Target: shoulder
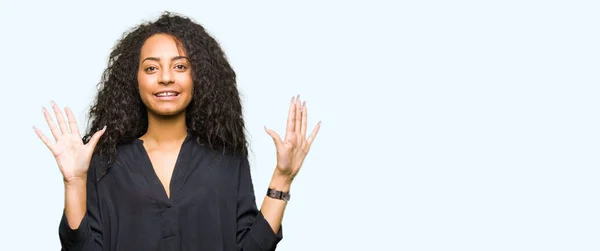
[(98, 166), (223, 158), (101, 163)]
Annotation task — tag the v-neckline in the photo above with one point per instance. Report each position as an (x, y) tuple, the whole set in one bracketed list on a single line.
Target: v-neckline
[(152, 177)]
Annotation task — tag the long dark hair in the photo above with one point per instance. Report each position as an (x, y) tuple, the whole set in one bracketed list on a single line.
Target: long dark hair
[(213, 117)]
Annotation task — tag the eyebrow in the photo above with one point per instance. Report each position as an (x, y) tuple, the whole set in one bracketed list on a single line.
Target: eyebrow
[(172, 59)]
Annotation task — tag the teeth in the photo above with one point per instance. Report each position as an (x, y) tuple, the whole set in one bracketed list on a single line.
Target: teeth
[(165, 94)]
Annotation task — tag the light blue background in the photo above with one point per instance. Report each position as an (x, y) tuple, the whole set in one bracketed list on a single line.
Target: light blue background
[(447, 125)]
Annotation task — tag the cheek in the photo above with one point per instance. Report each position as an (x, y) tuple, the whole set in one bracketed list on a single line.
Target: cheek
[(144, 88), (187, 84), (144, 82), (189, 88)]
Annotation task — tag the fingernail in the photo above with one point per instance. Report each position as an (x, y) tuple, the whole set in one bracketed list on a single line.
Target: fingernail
[(52, 102), (104, 128), (304, 104)]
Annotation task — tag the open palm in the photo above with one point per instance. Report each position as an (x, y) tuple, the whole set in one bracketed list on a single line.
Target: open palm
[(292, 150), (72, 156)]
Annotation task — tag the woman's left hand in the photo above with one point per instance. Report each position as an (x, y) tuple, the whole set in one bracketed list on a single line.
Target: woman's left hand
[(292, 151)]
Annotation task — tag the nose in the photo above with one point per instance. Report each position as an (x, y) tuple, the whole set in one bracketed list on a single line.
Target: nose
[(166, 77)]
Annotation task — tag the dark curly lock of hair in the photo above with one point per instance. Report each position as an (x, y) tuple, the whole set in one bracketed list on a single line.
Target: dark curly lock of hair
[(213, 117)]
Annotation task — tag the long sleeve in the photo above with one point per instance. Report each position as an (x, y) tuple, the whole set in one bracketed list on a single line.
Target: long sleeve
[(254, 232), (88, 235)]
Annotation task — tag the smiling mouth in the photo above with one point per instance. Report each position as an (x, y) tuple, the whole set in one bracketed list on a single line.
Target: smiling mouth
[(166, 94)]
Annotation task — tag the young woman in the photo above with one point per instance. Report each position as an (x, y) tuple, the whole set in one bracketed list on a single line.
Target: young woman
[(164, 164)]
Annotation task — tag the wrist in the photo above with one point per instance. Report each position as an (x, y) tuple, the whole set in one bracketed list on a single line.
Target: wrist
[(281, 182), (75, 183)]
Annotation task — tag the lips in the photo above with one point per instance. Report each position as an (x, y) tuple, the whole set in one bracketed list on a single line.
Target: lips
[(166, 94)]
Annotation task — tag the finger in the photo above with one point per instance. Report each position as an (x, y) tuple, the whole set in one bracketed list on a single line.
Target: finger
[(61, 120), (44, 139), (304, 119), (314, 133), (51, 124), (72, 121), (291, 115), (95, 138), (298, 122), (275, 136)]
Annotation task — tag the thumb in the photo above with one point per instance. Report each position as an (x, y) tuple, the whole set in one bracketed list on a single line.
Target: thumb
[(95, 138), (275, 136)]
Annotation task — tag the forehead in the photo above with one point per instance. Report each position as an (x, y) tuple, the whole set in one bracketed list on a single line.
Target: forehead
[(161, 45)]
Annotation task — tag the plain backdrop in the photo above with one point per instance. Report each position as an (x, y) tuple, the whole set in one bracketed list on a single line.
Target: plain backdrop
[(447, 125)]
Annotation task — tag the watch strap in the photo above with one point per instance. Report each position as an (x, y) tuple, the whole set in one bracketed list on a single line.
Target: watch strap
[(276, 194)]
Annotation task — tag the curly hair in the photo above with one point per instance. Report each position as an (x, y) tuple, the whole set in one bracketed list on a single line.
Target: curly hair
[(214, 115)]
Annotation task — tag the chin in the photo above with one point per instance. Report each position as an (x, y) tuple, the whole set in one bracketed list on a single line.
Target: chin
[(167, 108), (170, 111)]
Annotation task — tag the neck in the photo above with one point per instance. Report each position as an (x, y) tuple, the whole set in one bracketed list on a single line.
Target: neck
[(165, 129)]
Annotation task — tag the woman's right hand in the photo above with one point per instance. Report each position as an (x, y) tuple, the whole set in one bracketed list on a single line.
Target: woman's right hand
[(72, 156)]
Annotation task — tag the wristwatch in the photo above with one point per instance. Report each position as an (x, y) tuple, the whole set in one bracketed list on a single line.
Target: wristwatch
[(276, 194)]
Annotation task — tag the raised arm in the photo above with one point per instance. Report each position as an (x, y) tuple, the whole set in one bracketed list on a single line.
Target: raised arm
[(257, 229), (291, 152), (73, 158), (80, 227), (254, 232)]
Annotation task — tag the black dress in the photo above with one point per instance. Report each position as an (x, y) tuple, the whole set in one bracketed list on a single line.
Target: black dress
[(212, 205)]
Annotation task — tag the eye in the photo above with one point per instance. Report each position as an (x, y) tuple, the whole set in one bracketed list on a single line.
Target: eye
[(150, 69), (180, 67)]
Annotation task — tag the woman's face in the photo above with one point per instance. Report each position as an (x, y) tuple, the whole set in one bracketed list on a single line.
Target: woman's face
[(164, 76)]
